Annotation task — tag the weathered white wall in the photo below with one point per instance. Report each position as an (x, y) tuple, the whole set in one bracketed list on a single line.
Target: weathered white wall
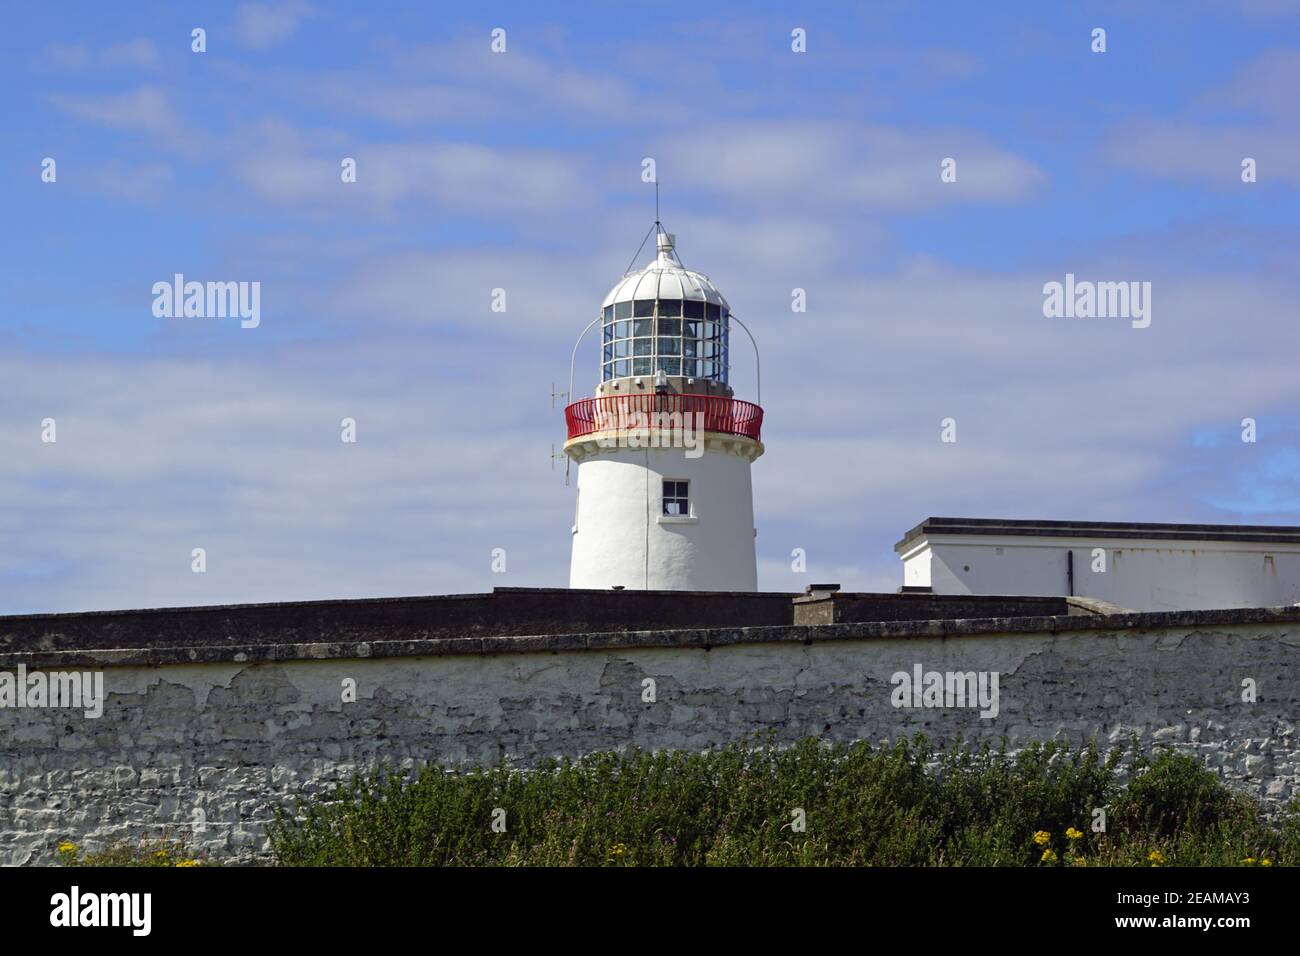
[(1140, 574), (621, 538), (232, 738)]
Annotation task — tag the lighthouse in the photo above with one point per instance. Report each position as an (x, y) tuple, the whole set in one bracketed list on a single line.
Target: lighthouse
[(663, 448)]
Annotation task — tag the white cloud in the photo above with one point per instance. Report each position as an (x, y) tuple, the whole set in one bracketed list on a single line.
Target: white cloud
[(260, 26), (142, 182), (789, 164), (145, 109), (1205, 148), (395, 101), (519, 79), (139, 53), (1207, 154), (458, 175), (154, 458)]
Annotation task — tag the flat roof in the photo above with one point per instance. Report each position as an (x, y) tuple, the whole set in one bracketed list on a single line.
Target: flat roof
[(1264, 534)]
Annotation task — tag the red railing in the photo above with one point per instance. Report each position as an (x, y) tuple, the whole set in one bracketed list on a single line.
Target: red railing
[(727, 416)]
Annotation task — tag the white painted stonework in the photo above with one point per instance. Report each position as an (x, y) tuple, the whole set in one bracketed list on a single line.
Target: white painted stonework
[(236, 739), (1143, 574), (621, 538)]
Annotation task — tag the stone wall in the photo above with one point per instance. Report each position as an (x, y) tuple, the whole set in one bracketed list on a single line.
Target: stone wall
[(230, 729)]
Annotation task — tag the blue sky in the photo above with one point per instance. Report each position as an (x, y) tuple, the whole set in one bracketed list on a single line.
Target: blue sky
[(522, 171)]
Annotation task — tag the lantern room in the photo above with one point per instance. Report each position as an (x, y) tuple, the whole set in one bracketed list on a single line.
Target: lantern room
[(665, 318)]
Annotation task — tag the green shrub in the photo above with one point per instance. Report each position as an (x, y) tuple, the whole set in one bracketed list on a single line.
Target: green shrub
[(1173, 792), (901, 805)]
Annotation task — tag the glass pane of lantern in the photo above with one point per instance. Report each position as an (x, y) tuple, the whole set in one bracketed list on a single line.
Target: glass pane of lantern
[(643, 327), (622, 310), (713, 311), (643, 346), (644, 307), (670, 346), (670, 307), (642, 366), (670, 326), (693, 309)]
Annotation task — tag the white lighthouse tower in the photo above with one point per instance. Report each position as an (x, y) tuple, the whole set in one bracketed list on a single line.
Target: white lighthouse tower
[(663, 448)]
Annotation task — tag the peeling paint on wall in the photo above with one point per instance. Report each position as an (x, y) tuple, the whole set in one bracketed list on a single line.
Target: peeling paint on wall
[(231, 739)]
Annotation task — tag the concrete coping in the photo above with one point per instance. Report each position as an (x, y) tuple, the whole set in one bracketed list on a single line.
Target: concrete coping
[(695, 639), (1012, 527)]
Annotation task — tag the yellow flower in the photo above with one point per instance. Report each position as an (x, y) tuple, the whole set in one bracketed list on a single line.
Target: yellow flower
[(618, 849), (187, 863), (1156, 857), (1249, 861), (1048, 857), (1041, 837), (67, 847), (1080, 861), (1265, 862), (1073, 834), (160, 854)]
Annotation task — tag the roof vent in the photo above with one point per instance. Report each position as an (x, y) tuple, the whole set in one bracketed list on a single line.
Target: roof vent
[(825, 588)]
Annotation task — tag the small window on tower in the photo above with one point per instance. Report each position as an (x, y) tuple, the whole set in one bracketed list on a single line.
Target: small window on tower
[(677, 498)]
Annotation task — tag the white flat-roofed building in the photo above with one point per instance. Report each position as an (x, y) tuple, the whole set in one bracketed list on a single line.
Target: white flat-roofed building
[(1135, 565)]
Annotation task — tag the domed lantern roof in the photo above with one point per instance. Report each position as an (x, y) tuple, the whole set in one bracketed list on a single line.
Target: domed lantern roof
[(665, 278), (665, 318)]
